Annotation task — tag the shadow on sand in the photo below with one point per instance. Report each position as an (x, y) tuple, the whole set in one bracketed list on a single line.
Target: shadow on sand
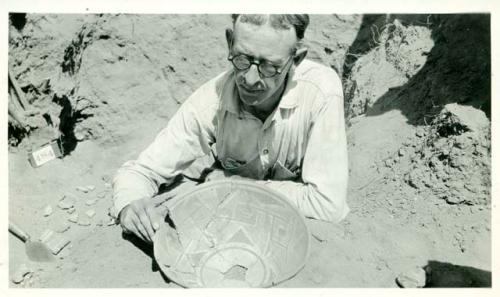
[(446, 275)]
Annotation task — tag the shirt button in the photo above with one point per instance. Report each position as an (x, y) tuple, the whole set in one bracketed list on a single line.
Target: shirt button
[(265, 151)]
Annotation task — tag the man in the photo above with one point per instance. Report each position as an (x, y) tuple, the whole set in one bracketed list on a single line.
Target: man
[(274, 117)]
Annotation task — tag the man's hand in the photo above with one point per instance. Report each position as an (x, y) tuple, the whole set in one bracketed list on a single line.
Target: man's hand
[(142, 218), (218, 174)]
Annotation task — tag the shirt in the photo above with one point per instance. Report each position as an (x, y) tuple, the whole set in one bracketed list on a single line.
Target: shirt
[(303, 142)]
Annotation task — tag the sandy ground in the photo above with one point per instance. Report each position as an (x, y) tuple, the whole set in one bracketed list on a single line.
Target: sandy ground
[(392, 227), (389, 230)]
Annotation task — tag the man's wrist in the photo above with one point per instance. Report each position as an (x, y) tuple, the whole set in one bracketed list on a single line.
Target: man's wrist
[(119, 215)]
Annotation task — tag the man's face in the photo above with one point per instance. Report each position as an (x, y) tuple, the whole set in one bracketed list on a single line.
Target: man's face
[(262, 43)]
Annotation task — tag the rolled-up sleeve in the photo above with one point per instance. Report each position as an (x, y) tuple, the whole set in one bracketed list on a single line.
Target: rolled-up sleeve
[(322, 194), (187, 136)]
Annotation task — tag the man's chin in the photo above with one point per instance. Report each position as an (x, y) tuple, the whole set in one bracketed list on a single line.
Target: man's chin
[(250, 101), (251, 98)]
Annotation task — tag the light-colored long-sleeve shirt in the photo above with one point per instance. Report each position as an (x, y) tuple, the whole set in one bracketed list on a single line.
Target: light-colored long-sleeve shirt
[(302, 143)]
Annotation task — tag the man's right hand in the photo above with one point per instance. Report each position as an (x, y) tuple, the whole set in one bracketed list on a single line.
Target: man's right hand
[(141, 218)]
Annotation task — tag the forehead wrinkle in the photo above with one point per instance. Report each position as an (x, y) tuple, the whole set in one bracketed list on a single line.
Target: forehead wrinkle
[(260, 50)]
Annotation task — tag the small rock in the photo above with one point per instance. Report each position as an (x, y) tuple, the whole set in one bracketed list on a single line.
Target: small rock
[(82, 189), (107, 185), (412, 183), (420, 133), (19, 275), (79, 136), (90, 202), (414, 278), (106, 178), (102, 194), (65, 204), (111, 222), (84, 222), (17, 278), (90, 188), (452, 199), (47, 211), (71, 210), (401, 152), (62, 228), (472, 188), (73, 218), (90, 213)]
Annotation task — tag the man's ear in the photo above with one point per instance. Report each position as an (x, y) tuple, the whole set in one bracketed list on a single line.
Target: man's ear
[(300, 55), (229, 38)]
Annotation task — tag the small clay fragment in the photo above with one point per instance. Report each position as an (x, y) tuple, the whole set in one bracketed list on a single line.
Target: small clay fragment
[(414, 278), (91, 202), (90, 213), (82, 189), (22, 271), (62, 228), (47, 211), (452, 199), (102, 194), (84, 222), (73, 218), (79, 135), (65, 204), (106, 178)]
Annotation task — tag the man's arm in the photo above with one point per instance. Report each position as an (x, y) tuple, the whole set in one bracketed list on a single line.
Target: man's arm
[(322, 195), (188, 136)]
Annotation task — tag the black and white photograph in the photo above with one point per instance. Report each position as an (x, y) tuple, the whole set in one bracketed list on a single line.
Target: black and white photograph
[(249, 150)]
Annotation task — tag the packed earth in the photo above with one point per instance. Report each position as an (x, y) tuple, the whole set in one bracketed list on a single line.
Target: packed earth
[(417, 106)]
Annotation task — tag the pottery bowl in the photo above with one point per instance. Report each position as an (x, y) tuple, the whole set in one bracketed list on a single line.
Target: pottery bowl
[(232, 233)]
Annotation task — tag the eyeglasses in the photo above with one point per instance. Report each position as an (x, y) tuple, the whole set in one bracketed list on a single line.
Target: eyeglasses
[(266, 68)]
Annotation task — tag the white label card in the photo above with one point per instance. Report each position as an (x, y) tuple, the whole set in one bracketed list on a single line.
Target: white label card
[(44, 155)]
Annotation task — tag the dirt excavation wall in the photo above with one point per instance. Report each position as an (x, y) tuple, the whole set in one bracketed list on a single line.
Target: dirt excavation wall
[(417, 105), (418, 64), (104, 72)]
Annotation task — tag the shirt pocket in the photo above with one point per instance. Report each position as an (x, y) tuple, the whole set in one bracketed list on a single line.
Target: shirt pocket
[(280, 172), (251, 169)]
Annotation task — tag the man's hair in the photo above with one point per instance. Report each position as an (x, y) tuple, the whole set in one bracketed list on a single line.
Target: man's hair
[(278, 21)]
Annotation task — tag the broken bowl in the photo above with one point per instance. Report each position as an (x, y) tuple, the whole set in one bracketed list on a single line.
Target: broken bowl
[(232, 234)]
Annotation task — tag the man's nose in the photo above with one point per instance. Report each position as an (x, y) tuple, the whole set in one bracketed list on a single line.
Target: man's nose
[(252, 75)]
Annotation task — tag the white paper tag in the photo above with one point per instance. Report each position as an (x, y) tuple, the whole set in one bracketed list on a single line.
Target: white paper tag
[(44, 155)]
